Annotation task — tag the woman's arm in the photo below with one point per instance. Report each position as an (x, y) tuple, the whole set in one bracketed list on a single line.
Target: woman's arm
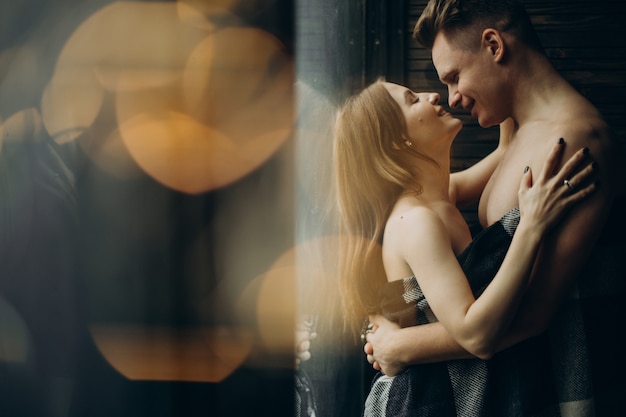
[(479, 324), (391, 349), (395, 348), (474, 323), (467, 185)]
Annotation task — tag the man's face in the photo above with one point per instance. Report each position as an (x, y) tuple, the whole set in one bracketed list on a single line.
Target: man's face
[(470, 78)]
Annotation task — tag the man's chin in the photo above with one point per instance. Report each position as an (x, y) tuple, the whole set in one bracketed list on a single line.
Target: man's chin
[(482, 122)]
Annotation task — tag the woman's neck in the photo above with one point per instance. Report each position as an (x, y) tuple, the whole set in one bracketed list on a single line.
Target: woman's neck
[(434, 179)]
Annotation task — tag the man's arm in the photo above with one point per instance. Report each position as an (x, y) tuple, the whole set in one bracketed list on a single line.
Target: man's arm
[(564, 252), (466, 186)]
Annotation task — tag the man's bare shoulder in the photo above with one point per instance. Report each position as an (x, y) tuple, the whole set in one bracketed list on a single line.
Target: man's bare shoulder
[(579, 124), (582, 121), (586, 129)]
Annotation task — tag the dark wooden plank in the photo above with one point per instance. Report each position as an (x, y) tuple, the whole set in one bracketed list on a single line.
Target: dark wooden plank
[(385, 39)]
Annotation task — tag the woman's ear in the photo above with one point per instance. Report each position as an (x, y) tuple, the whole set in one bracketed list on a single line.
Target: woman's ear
[(492, 41)]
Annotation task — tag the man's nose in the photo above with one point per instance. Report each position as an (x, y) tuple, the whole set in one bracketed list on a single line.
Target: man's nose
[(454, 98)]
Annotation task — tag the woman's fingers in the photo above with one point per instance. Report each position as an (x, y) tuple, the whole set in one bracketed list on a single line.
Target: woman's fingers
[(550, 167), (556, 190), (583, 192), (554, 158), (579, 178), (574, 183), (578, 192), (569, 167), (569, 175), (527, 179)]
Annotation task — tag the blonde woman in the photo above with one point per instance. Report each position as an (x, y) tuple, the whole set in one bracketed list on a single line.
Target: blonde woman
[(404, 232)]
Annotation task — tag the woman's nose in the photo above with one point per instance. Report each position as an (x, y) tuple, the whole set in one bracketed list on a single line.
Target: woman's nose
[(433, 98)]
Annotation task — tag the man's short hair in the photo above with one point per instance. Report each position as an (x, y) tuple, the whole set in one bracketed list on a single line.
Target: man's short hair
[(463, 21)]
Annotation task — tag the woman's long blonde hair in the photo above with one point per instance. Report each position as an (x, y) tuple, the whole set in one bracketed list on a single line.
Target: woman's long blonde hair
[(374, 162)]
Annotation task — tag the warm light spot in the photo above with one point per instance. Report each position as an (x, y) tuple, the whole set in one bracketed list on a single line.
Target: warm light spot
[(315, 262), (190, 157), (269, 302), (131, 46), (199, 12), (276, 308), (197, 109), (159, 353), (304, 274), (240, 81)]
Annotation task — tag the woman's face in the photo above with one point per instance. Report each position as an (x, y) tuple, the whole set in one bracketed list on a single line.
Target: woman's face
[(426, 121)]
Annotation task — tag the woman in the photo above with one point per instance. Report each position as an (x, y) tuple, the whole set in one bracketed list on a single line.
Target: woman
[(398, 209)]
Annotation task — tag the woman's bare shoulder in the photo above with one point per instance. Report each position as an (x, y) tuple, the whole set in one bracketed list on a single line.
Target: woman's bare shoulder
[(413, 225)]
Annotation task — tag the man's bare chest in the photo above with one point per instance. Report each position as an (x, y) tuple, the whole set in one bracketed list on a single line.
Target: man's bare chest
[(501, 192)]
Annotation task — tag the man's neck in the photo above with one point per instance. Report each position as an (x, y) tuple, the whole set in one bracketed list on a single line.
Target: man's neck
[(538, 89)]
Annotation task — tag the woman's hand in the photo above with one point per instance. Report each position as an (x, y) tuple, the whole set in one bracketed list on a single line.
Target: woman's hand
[(543, 203), (380, 347)]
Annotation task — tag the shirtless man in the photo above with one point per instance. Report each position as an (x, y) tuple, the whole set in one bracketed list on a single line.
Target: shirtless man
[(491, 60)]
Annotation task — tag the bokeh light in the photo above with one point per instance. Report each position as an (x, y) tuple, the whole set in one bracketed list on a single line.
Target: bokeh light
[(196, 107), (160, 353)]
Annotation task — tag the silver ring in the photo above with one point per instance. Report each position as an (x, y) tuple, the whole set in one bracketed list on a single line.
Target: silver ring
[(569, 184), (367, 328), (364, 335)]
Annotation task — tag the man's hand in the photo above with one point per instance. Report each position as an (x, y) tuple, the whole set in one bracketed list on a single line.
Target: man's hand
[(380, 347)]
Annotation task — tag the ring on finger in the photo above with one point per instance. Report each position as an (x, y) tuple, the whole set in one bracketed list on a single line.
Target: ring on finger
[(369, 328), (365, 333), (569, 184)]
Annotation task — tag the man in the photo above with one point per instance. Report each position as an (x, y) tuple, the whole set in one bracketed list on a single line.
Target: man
[(560, 356)]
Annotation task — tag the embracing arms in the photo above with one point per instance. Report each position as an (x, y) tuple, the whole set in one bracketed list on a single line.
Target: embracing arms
[(478, 324), (396, 348)]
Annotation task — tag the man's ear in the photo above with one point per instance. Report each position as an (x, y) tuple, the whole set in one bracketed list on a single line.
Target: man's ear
[(492, 41)]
